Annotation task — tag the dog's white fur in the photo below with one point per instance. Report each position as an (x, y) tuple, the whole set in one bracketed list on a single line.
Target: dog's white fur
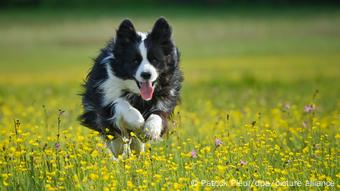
[(153, 127), (145, 65), (129, 114), (113, 86)]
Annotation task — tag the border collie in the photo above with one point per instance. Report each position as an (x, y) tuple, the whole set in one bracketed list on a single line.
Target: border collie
[(133, 86)]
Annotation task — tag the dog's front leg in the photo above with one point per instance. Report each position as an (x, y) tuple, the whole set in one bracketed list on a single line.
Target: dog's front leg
[(130, 116), (154, 126)]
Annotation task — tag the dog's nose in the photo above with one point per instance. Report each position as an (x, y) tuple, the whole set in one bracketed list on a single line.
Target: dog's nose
[(146, 75)]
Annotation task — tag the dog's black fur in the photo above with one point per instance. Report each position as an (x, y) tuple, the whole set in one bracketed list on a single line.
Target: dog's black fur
[(123, 56)]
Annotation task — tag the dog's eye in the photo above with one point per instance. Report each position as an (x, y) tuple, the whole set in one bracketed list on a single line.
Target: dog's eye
[(153, 60), (135, 61)]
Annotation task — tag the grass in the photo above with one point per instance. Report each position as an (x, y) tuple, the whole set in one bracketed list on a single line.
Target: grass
[(265, 84)]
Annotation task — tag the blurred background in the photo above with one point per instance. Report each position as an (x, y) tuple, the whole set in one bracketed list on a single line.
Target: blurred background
[(270, 47), (105, 3)]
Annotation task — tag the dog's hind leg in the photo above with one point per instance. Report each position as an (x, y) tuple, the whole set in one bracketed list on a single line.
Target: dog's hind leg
[(115, 146), (119, 146), (136, 145)]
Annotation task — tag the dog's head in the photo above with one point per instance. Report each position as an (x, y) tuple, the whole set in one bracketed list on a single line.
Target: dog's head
[(143, 57)]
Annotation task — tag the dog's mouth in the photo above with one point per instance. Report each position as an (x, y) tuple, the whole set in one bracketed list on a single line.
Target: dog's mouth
[(146, 89)]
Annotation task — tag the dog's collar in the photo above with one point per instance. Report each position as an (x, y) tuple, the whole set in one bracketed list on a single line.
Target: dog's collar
[(107, 58)]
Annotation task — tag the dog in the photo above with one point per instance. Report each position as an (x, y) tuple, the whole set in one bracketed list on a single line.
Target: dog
[(133, 87)]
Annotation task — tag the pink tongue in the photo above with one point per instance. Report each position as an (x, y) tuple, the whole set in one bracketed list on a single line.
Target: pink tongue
[(146, 90)]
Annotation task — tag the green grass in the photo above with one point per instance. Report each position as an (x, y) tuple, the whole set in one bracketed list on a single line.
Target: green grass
[(258, 67)]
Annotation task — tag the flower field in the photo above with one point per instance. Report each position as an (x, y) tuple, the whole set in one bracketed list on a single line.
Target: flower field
[(260, 105)]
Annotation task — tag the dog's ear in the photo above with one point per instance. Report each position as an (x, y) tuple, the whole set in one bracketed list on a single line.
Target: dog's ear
[(126, 32), (161, 31)]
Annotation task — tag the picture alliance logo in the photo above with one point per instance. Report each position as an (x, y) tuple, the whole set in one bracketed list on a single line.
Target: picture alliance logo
[(261, 183)]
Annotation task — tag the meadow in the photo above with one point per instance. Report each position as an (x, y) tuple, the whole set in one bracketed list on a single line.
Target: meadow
[(260, 103)]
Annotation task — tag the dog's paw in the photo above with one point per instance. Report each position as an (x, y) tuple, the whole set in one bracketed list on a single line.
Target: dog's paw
[(133, 118), (153, 127), (128, 116)]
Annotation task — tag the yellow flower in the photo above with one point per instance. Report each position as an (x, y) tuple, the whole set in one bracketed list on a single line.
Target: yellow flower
[(221, 168), (110, 137), (178, 186), (132, 134), (106, 177), (5, 183), (93, 176), (157, 177), (338, 175), (94, 153), (127, 167), (130, 185)]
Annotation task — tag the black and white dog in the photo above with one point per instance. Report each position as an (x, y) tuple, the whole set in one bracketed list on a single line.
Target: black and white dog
[(133, 86)]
